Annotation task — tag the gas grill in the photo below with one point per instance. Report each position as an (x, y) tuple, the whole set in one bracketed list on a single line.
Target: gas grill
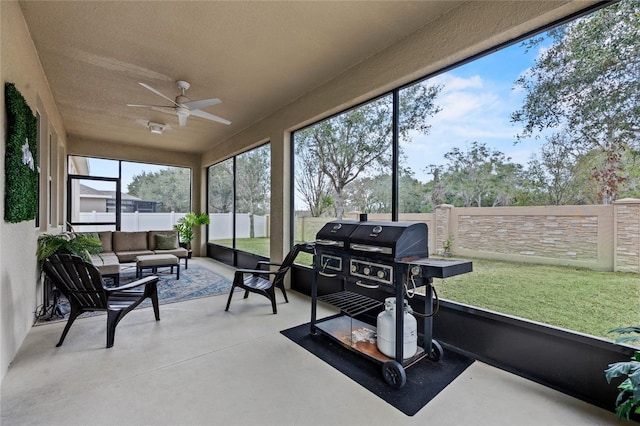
[(373, 259)]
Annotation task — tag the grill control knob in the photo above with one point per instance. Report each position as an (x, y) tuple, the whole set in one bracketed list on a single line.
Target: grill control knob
[(354, 268), (366, 270), (381, 274), (415, 270)]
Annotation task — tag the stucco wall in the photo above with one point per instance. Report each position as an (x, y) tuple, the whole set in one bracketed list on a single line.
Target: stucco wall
[(20, 291)]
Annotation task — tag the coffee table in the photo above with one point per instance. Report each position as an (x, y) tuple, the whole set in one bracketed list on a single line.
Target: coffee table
[(155, 261)]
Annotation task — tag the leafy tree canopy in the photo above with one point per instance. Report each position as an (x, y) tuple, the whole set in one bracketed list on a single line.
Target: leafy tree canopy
[(221, 187), (170, 187), (357, 143), (587, 86), (253, 181), (479, 177)]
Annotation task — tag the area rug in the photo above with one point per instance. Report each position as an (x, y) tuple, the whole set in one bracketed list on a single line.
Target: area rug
[(196, 281), (424, 380)]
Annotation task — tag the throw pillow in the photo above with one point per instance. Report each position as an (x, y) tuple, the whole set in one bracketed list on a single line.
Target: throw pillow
[(166, 241)]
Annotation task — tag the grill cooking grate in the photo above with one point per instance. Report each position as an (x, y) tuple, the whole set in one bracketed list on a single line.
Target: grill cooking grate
[(351, 303)]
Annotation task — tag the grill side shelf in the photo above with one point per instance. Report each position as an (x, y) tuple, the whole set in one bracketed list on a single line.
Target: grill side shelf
[(351, 303)]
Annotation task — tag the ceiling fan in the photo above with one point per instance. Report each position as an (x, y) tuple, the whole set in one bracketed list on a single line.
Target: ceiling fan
[(182, 106)]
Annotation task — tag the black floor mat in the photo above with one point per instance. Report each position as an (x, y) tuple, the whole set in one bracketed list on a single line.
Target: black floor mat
[(424, 379)]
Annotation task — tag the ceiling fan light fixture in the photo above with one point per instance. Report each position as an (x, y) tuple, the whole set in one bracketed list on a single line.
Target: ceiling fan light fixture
[(156, 128)]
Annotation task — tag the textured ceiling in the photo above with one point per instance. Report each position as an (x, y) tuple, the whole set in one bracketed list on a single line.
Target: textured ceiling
[(256, 57)]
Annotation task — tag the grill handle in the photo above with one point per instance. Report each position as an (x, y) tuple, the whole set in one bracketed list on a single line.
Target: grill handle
[(361, 284), (371, 249), (363, 247), (324, 274), (330, 243)]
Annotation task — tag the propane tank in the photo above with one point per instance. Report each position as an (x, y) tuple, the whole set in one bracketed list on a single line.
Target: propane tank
[(386, 323)]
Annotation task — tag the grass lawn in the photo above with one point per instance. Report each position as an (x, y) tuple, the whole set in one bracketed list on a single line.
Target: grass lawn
[(252, 245), (577, 299)]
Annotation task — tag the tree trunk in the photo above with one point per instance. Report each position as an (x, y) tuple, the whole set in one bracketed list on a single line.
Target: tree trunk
[(339, 205)]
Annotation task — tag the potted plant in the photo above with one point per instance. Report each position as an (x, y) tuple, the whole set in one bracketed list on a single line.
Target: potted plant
[(81, 245), (185, 225), (628, 401)]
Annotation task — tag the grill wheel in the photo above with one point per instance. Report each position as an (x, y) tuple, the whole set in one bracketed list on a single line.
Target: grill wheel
[(394, 374)]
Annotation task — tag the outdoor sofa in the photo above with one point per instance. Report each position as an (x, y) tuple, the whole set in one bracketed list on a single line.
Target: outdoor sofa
[(123, 247)]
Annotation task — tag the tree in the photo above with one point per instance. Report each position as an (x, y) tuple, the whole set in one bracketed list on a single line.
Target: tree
[(253, 183), (169, 186), (413, 197), (369, 194), (221, 187), (436, 189), (480, 176), (556, 171), (631, 186), (587, 85), (358, 142), (312, 185)]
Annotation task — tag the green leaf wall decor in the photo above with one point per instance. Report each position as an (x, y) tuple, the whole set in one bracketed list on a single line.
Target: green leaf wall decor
[(21, 159)]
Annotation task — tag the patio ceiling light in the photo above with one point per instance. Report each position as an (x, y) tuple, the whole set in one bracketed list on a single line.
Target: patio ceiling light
[(156, 128)]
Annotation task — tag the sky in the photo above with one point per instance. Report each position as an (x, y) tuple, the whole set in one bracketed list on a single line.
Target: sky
[(477, 101)]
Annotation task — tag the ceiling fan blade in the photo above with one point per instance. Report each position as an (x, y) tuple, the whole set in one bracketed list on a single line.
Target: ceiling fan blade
[(208, 116), (182, 119), (146, 86), (165, 109), (202, 104), (148, 106)]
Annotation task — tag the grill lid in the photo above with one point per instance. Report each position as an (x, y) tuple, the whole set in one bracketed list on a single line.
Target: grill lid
[(397, 240), (336, 233)]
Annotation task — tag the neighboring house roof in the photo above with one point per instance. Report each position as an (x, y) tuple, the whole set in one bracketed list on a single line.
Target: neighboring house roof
[(89, 192)]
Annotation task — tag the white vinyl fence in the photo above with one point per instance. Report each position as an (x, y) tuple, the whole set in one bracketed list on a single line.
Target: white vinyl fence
[(221, 223), (221, 227), (130, 221)]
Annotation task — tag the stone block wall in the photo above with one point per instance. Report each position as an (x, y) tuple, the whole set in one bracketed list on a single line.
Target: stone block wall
[(627, 231), (559, 237), (600, 237)]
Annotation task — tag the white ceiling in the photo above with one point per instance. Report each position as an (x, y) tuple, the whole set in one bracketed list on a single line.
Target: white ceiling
[(255, 56)]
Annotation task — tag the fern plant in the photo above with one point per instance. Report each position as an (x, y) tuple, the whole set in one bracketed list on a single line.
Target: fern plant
[(80, 245), (628, 400)]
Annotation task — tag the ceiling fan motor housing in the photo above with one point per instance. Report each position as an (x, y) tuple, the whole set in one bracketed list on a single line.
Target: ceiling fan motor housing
[(181, 99)]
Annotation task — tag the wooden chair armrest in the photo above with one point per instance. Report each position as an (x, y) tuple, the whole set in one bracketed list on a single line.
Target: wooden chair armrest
[(138, 283), (267, 263), (241, 272)]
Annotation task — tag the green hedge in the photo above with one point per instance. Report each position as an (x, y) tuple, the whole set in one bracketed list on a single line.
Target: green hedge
[(21, 159)]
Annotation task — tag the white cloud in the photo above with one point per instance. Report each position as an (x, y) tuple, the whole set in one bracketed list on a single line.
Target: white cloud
[(453, 83)]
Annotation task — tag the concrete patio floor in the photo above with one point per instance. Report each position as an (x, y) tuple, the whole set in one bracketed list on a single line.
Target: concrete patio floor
[(201, 365)]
